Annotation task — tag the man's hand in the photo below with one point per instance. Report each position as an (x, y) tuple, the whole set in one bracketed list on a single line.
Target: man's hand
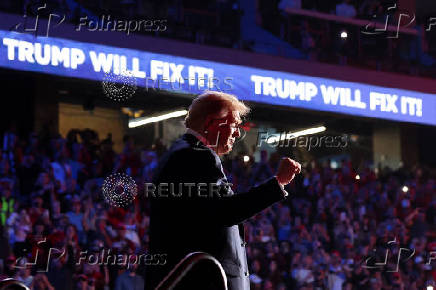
[(287, 170)]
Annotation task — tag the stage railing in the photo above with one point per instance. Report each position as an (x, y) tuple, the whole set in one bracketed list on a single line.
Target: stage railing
[(12, 284), (186, 265)]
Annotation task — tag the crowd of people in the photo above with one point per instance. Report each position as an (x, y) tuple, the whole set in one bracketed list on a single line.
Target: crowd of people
[(322, 38), (346, 8), (343, 229), (333, 232)]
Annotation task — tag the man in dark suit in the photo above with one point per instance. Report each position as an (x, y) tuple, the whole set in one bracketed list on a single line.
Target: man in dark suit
[(194, 208)]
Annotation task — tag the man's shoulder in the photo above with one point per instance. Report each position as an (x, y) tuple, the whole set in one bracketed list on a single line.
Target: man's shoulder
[(189, 145), (187, 151)]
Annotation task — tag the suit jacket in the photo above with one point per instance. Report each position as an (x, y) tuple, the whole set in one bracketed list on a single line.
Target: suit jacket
[(183, 223)]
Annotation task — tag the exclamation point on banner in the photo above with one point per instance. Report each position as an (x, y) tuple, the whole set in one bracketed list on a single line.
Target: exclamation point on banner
[(418, 107)]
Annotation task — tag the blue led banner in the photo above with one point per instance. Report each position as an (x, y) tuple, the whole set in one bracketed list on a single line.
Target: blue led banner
[(90, 61)]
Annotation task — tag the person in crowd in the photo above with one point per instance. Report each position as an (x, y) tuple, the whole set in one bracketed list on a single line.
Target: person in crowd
[(292, 4), (129, 279), (346, 9)]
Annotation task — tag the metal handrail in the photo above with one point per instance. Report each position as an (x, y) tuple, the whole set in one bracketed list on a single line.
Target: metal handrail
[(185, 265), (9, 283)]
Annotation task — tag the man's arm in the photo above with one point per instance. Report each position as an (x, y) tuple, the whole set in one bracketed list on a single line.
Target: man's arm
[(215, 203), (226, 207), (230, 209)]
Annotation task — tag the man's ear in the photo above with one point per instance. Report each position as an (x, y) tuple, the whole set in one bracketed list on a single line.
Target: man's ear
[(207, 123)]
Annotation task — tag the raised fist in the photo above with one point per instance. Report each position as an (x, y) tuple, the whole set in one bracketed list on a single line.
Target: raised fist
[(287, 170)]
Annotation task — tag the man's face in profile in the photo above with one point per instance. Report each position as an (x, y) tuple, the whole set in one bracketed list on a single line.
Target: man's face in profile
[(223, 132)]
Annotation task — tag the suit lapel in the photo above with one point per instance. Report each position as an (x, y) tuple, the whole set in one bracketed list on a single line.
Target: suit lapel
[(241, 229)]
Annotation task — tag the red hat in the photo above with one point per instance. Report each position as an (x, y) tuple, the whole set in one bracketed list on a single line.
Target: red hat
[(431, 246), (336, 253)]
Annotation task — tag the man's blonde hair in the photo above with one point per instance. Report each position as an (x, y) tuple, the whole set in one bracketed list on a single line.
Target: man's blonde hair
[(215, 104)]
